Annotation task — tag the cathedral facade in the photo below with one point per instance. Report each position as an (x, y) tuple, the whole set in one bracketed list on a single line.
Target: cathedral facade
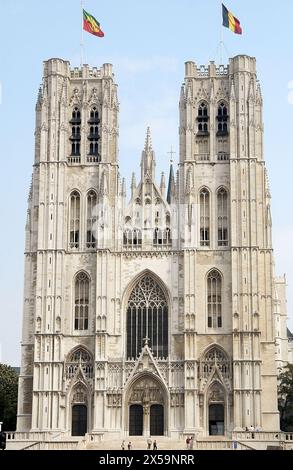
[(154, 316)]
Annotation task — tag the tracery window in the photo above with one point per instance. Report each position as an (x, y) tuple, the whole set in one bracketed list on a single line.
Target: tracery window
[(162, 237), (75, 132), (94, 135), (132, 238), (204, 199), (222, 118), (215, 357), (91, 219), (79, 358), (214, 299), (202, 119), (147, 317), (222, 206), (74, 219), (81, 303)]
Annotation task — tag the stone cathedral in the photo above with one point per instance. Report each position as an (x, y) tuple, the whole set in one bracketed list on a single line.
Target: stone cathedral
[(154, 316)]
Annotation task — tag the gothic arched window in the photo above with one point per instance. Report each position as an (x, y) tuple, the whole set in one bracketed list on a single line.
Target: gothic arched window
[(204, 200), (94, 135), (214, 299), (202, 119), (75, 132), (81, 301), (222, 207), (147, 317), (79, 358), (215, 357), (74, 220), (222, 118), (91, 219)]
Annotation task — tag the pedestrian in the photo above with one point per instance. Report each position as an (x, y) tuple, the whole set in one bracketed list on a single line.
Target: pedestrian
[(123, 445), (149, 443), (2, 440), (129, 445), (155, 447), (187, 442), (191, 443)]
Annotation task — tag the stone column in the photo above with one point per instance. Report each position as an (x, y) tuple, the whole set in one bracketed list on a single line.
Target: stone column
[(146, 420)]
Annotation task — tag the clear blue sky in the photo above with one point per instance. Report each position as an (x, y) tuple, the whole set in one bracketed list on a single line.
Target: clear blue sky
[(148, 42)]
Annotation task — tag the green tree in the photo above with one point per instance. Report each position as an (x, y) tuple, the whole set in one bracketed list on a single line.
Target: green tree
[(8, 397), (285, 392)]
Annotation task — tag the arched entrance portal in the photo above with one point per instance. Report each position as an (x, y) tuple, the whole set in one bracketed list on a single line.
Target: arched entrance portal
[(216, 410), (216, 420), (79, 411), (79, 420), (135, 420), (146, 408)]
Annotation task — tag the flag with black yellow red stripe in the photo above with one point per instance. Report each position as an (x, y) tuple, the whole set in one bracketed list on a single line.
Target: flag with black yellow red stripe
[(230, 21)]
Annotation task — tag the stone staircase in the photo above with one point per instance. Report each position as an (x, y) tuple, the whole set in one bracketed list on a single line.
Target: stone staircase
[(166, 443)]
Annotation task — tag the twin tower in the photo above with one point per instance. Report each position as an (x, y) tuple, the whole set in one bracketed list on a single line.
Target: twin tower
[(154, 316)]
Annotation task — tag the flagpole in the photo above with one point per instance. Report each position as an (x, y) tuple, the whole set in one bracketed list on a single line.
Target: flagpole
[(221, 45), (82, 36)]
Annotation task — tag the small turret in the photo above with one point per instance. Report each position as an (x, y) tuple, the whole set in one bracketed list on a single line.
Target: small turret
[(171, 193), (133, 185), (163, 184), (148, 163)]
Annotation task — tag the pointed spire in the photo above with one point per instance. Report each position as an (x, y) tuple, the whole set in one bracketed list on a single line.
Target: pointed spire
[(123, 188), (148, 141), (148, 163), (182, 96), (189, 92), (258, 94), (163, 184), (251, 91), (40, 98), (133, 185), (171, 185), (267, 185)]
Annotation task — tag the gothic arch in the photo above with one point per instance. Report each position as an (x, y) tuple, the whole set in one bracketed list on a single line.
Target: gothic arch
[(212, 346), (204, 188), (156, 396), (214, 269), (79, 396), (129, 288), (75, 349), (215, 375), (222, 188), (84, 272), (143, 312)]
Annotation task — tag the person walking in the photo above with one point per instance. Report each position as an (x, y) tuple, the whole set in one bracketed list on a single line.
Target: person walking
[(155, 447), (187, 442), (129, 446), (149, 443), (123, 445), (191, 443)]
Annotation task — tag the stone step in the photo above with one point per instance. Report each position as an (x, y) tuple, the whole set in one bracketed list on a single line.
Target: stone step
[(138, 443)]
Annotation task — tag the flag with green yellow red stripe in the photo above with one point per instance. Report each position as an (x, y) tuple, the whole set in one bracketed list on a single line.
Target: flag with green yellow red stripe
[(91, 25)]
